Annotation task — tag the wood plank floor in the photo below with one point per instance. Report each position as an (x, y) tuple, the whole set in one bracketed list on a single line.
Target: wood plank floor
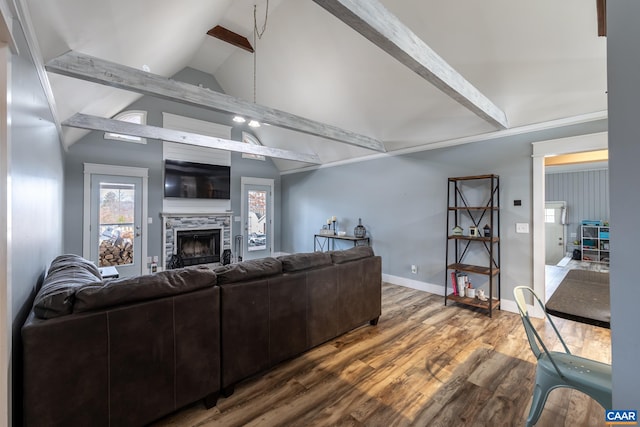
[(424, 364)]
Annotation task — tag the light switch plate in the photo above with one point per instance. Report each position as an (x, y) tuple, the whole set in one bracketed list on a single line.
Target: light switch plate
[(522, 227)]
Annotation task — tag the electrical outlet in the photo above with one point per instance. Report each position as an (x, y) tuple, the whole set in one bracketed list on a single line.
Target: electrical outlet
[(414, 269), (522, 227)]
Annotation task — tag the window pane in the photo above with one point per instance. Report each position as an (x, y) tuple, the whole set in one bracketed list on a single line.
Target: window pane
[(137, 117), (257, 228), (116, 224), (550, 215), (247, 138)]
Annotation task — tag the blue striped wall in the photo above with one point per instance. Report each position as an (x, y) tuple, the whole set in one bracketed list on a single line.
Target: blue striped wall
[(586, 194)]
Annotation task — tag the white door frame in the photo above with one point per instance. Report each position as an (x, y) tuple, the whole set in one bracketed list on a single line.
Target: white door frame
[(244, 181), (98, 169), (574, 144)]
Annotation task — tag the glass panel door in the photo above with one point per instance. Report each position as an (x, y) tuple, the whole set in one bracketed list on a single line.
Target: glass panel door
[(116, 223), (256, 226), (257, 220)]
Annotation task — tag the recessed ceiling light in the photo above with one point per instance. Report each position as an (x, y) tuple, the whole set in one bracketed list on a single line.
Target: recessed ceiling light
[(239, 119), (254, 124)]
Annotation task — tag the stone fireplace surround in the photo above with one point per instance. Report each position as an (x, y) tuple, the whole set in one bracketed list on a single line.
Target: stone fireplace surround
[(172, 222)]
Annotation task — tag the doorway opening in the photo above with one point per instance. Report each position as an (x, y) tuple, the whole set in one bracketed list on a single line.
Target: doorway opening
[(541, 151)]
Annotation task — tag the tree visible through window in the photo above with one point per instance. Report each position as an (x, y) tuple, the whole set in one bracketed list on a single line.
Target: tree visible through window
[(257, 228)]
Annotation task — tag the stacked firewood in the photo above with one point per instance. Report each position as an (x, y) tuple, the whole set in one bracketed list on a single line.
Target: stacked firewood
[(115, 252)]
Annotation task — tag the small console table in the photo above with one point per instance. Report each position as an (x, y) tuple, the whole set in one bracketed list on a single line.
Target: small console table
[(323, 240)]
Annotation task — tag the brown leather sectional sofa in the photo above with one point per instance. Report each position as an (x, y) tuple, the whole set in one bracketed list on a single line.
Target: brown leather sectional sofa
[(125, 352)]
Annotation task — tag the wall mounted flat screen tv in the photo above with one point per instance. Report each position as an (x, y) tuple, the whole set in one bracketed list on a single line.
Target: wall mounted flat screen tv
[(196, 180)]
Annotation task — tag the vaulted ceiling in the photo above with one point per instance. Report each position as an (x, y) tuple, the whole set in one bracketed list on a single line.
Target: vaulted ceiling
[(537, 61)]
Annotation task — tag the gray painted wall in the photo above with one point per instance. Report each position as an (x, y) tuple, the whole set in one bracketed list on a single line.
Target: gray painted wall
[(402, 202), (36, 198), (623, 53), (93, 148), (586, 194)]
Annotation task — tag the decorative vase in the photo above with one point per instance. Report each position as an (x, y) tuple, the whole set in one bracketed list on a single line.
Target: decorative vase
[(359, 231)]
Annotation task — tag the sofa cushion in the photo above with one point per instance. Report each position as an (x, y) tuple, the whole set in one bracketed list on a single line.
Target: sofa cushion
[(304, 261), (248, 270), (140, 288), (352, 254), (66, 274)]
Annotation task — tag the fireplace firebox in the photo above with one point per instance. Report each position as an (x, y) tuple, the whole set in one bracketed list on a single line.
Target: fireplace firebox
[(198, 246)]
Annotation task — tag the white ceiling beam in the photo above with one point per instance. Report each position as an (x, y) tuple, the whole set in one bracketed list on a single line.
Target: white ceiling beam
[(84, 121), (80, 66), (371, 19)]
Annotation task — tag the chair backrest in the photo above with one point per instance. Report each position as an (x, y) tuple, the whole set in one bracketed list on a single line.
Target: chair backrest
[(535, 340)]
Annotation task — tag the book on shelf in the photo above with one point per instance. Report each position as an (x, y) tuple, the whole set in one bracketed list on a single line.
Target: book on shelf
[(454, 282)]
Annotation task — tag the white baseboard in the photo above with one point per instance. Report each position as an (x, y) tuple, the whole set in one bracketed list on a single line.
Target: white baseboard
[(506, 305), (414, 284)]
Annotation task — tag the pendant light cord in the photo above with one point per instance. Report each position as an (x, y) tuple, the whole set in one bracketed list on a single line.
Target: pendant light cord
[(257, 34)]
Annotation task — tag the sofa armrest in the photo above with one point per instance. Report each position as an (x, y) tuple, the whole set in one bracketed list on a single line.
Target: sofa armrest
[(359, 292)]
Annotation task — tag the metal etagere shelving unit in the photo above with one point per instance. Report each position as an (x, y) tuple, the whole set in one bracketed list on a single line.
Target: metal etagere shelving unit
[(474, 201)]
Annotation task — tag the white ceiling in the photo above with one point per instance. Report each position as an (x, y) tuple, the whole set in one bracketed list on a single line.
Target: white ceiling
[(538, 61)]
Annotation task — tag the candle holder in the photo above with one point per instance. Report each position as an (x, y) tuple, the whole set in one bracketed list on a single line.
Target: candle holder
[(334, 226)]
